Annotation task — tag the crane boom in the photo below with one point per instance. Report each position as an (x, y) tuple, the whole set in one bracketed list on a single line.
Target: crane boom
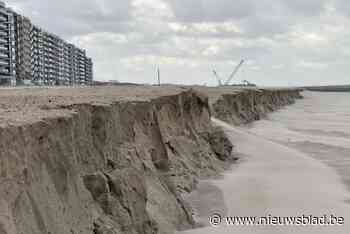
[(234, 72), (217, 77)]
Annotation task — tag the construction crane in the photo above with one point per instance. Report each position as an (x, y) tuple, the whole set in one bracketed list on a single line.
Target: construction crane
[(234, 73), (217, 77), (228, 81)]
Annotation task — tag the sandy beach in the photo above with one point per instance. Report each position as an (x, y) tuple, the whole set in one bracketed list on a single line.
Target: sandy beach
[(278, 174)]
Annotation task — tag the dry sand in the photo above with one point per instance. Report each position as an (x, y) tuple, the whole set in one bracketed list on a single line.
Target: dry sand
[(107, 159), (285, 171), (28, 105)]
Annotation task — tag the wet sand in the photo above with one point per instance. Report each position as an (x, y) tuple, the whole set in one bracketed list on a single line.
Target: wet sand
[(279, 175), (318, 126)]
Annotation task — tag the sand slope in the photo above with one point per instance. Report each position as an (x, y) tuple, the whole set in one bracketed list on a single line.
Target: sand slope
[(107, 160)]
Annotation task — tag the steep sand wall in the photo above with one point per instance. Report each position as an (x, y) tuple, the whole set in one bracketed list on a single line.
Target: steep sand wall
[(119, 167), (251, 104), (115, 168)]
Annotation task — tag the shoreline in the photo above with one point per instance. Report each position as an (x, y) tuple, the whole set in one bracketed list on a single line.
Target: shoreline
[(266, 183), (330, 88)]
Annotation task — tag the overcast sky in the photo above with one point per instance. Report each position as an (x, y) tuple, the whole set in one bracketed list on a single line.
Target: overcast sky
[(285, 42)]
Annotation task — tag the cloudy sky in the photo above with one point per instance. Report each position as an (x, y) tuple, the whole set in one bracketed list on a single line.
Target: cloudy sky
[(284, 42)]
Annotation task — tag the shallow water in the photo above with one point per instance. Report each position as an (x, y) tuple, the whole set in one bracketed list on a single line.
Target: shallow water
[(296, 162), (318, 126)]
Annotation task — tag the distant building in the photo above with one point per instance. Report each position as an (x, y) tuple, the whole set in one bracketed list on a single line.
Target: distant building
[(29, 54), (89, 73), (7, 46), (22, 32)]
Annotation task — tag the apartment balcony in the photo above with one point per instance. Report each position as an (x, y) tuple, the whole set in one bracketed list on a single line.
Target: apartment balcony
[(4, 64), (4, 34), (3, 12), (4, 26), (5, 73), (4, 49), (4, 56), (3, 41), (5, 68)]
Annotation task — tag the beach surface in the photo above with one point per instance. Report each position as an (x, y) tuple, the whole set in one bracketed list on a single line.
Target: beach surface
[(293, 163)]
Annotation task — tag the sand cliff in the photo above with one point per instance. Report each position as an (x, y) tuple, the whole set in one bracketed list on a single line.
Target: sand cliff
[(114, 160)]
